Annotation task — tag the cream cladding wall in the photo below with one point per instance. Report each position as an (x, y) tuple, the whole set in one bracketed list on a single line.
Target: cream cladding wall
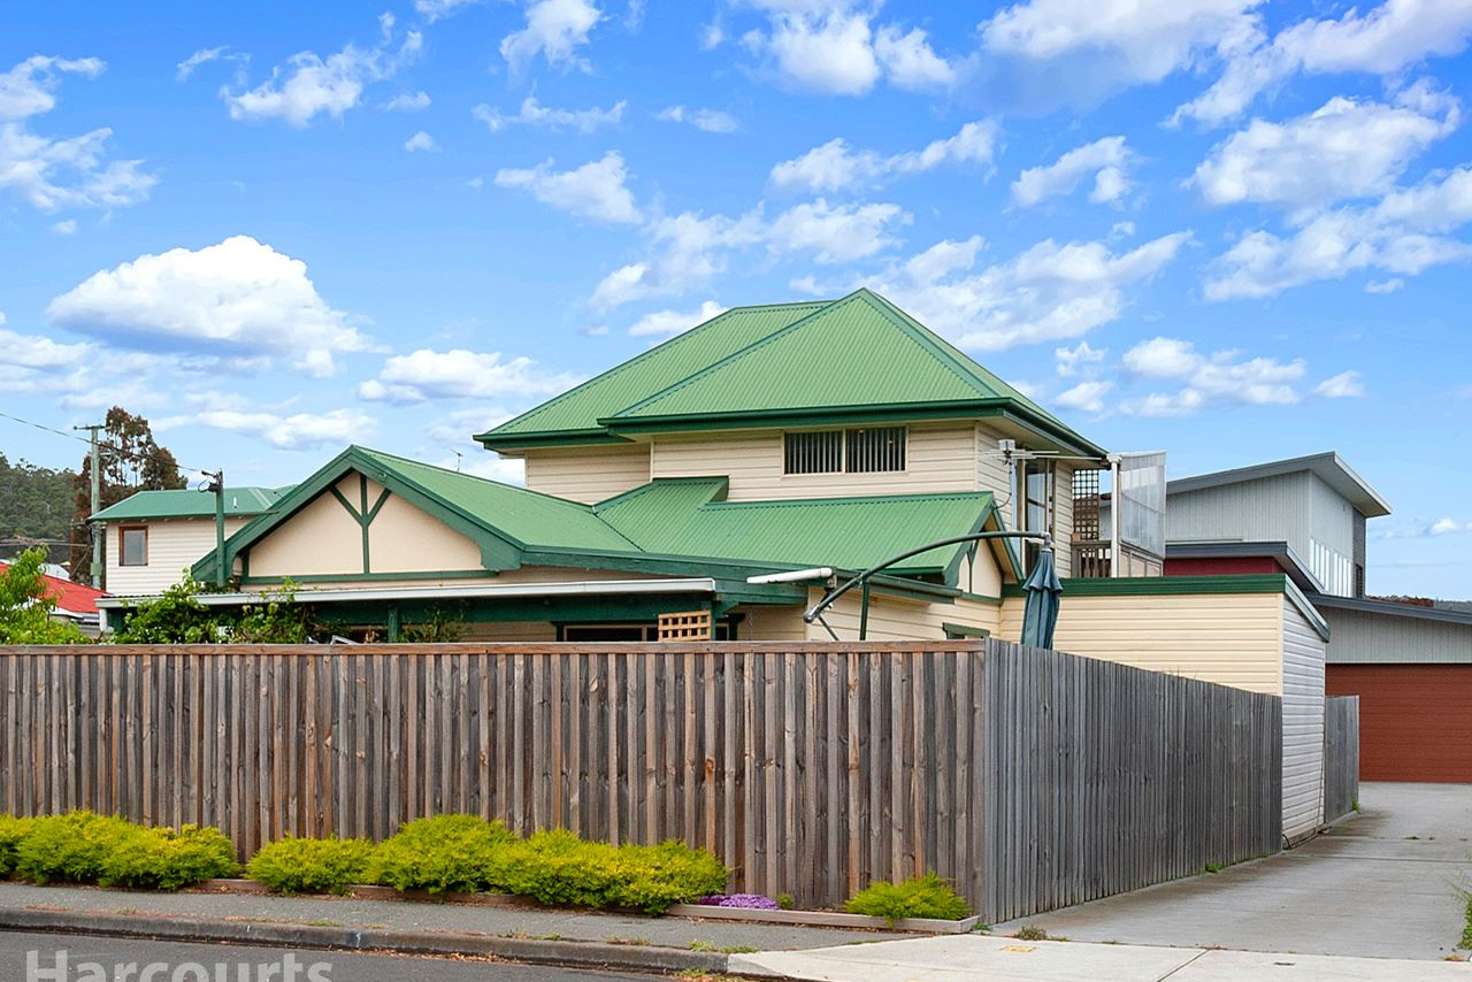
[(588, 474), (174, 544), (939, 458)]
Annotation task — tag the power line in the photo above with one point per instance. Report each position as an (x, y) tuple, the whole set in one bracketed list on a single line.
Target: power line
[(105, 446)]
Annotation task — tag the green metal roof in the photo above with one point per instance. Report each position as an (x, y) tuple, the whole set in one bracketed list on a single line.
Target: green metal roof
[(857, 356), (686, 516), (675, 520), (190, 504), (526, 516), (579, 409)]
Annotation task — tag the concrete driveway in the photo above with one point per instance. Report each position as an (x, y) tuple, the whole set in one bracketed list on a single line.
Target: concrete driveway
[(1388, 883)]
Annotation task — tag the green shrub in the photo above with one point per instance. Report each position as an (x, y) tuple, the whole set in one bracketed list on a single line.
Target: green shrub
[(557, 868), (924, 896), (162, 859), (70, 848), (12, 830), (311, 865), (443, 854)]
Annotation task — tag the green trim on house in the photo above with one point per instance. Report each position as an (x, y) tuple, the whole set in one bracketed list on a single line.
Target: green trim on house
[(1140, 586), (955, 632)]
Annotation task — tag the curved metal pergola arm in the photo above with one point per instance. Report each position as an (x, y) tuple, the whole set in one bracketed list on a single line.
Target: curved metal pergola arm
[(815, 612)]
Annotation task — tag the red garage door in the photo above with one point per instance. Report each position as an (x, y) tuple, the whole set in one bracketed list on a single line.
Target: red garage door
[(1415, 720)]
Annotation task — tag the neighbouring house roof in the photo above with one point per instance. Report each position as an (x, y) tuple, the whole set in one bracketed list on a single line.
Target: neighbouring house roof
[(1390, 608), (71, 598), (668, 525), (189, 504), (1280, 552), (856, 359), (1328, 466)]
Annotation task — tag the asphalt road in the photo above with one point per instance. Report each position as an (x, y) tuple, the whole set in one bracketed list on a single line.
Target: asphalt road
[(174, 962)]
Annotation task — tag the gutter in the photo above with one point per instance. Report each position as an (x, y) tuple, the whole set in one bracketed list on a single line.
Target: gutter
[(575, 588)]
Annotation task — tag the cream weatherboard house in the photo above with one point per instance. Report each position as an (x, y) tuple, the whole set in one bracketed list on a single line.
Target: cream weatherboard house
[(768, 439)]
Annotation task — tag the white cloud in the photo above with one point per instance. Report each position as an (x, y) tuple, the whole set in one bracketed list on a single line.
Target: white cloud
[(533, 113), (1108, 160), (1086, 396), (421, 142), (555, 29), (1384, 41), (836, 166), (831, 46), (1224, 376), (67, 172), (688, 249), (460, 425), (709, 120), (1071, 360), (203, 56), (299, 431), (491, 466), (312, 85), (1385, 286), (29, 88), (909, 61), (1048, 292), (1448, 525), (433, 10), (427, 374), (65, 227), (1131, 41), (1345, 385), (669, 322), (1403, 235), (1344, 149), (834, 233), (238, 298), (595, 190), (408, 102), (40, 352)]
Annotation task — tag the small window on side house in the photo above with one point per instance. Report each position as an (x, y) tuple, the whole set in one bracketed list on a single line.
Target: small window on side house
[(879, 449), (133, 546), (813, 453)]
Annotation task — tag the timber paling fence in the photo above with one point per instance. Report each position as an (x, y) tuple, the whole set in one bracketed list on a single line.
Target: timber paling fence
[(1030, 779), (1341, 756)]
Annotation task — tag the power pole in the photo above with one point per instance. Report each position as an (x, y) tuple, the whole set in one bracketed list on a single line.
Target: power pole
[(95, 459), (217, 485)]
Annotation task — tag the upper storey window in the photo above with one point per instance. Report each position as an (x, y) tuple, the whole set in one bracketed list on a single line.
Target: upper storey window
[(867, 451)]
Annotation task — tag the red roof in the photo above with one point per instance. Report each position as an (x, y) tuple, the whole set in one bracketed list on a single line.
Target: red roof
[(72, 597)]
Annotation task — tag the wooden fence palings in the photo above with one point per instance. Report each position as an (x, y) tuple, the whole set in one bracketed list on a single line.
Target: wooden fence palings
[(1030, 779), (1341, 755)]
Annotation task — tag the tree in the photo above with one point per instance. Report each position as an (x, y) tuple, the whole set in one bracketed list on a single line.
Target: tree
[(26, 605), (178, 617), (35, 508), (132, 461)]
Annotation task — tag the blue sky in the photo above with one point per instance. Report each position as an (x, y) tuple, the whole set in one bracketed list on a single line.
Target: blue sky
[(1229, 230)]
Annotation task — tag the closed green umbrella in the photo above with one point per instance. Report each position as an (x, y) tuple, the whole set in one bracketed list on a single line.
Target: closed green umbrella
[(1043, 592)]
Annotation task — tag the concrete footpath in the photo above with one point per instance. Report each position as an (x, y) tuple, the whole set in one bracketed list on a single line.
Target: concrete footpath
[(535, 935), (973, 957), (1391, 882)]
